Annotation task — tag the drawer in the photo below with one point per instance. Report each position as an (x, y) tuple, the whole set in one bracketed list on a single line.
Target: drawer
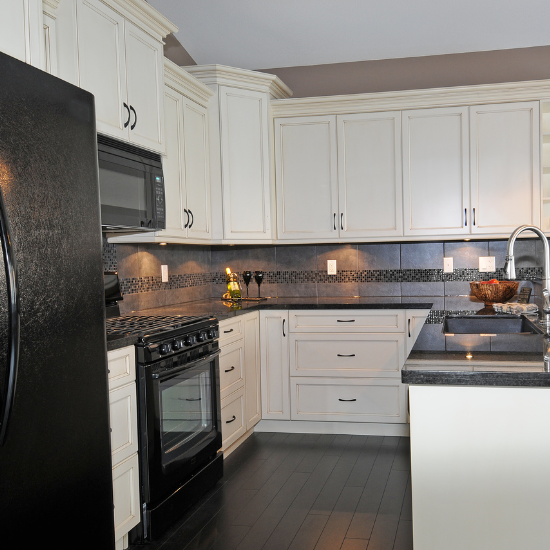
[(231, 330), (231, 367), (122, 366), (233, 418), (347, 320), (349, 400), (346, 355), (126, 496), (123, 414)]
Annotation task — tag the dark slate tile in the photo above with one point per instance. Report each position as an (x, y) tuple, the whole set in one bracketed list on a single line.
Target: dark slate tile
[(466, 254), (430, 339), (128, 261), (467, 342), (307, 536), (296, 258), (422, 256), (457, 288), (438, 302), (516, 342), (379, 289), (423, 289), (527, 252), (338, 289), (379, 256), (344, 254), (296, 289), (458, 303)]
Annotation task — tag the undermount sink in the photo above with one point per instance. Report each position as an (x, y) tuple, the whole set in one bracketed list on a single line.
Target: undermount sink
[(489, 324)]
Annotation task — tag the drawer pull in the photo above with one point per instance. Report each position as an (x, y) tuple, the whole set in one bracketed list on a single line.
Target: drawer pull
[(345, 320), (229, 421), (197, 399), (347, 399), (344, 355), (227, 331), (229, 370)]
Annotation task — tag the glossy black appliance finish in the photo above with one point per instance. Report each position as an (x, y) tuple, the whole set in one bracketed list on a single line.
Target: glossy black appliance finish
[(131, 187), (179, 419), (55, 462)]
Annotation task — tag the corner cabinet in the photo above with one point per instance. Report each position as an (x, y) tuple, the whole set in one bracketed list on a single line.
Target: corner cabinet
[(240, 158), (115, 51)]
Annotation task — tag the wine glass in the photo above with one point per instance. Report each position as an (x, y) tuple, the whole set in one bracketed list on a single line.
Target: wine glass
[(247, 277), (259, 276)]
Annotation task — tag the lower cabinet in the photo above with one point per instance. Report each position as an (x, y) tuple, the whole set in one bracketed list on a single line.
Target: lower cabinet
[(239, 378), (124, 442)]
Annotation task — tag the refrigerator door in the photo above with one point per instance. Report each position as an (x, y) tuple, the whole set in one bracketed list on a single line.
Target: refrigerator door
[(55, 462)]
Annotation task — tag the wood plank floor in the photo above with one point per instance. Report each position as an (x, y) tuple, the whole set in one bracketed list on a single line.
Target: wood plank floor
[(304, 492)]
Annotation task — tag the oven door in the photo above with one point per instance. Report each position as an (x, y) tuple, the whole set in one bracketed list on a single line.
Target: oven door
[(182, 424)]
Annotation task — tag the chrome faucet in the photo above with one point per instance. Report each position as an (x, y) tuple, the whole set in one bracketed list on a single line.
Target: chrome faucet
[(510, 267)]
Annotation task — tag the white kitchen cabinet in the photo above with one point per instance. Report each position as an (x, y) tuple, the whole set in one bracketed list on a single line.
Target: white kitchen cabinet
[(306, 178), (21, 30), (370, 196), (124, 441), (240, 145), (415, 321), (347, 320), (239, 378), (436, 171), (50, 35), (275, 370), (114, 50), (504, 167)]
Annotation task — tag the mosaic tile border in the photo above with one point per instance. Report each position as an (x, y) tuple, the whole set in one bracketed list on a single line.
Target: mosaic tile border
[(136, 285)]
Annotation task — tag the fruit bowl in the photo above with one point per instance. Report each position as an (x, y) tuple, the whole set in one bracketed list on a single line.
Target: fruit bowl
[(491, 293)]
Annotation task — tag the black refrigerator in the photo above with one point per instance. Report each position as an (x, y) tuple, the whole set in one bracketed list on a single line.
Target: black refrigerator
[(55, 458)]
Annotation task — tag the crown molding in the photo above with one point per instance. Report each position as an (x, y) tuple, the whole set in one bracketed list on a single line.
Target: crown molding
[(147, 15), (221, 75), (413, 99), (185, 83)]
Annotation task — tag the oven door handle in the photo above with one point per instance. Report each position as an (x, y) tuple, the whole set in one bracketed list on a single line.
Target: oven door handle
[(193, 364)]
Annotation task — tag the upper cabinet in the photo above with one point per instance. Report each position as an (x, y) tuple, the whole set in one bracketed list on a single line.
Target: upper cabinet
[(240, 152), (115, 51), (338, 176)]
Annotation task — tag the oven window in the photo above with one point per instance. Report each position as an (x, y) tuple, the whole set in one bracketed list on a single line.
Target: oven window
[(186, 409)]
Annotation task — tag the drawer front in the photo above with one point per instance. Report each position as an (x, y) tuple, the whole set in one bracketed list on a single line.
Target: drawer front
[(233, 418), (346, 355), (350, 400), (348, 320), (126, 496), (231, 330), (122, 366), (231, 367), (123, 413)]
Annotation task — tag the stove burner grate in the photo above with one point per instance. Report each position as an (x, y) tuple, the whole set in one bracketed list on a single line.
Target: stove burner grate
[(136, 324)]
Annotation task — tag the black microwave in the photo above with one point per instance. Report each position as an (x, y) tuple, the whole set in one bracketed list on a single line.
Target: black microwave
[(131, 187)]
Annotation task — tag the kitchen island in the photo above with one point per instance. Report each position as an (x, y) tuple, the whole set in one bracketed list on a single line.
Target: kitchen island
[(480, 449)]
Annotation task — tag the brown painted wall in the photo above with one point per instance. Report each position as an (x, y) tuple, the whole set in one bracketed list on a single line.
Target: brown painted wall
[(412, 73)]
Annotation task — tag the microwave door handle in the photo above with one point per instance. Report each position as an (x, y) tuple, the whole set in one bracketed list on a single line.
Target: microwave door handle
[(14, 315)]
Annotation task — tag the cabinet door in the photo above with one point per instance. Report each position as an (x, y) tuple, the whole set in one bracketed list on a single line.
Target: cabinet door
[(172, 164), (415, 321), (233, 418), (21, 30), (102, 64), (244, 128), (504, 152), (126, 496), (145, 80), (369, 175), (275, 377), (306, 178), (252, 369), (435, 171), (196, 170), (123, 417)]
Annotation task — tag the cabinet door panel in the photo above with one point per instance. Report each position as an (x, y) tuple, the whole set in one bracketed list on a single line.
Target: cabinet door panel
[(245, 164), (435, 171), (126, 496), (145, 78), (102, 67), (504, 149), (369, 174), (196, 171), (233, 418), (306, 177), (252, 369)]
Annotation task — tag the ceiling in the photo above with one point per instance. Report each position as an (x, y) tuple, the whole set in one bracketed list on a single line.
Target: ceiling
[(261, 34)]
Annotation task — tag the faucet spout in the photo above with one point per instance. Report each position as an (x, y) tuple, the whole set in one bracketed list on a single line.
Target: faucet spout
[(510, 268)]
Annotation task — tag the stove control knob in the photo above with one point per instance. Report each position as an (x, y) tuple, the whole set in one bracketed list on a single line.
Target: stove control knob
[(201, 336), (177, 344), (165, 348), (211, 334), (189, 340)]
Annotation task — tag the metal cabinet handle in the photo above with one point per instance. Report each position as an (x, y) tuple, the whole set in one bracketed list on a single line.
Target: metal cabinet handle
[(474, 216), (192, 219), (229, 370), (344, 355), (128, 121), (229, 421), (347, 399), (345, 320), (190, 399), (465, 217), (228, 331), (409, 323), (334, 221), (187, 222), (342, 222), (135, 118), (284, 335)]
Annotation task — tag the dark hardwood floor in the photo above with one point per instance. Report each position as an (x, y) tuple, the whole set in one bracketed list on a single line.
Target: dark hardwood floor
[(304, 492)]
